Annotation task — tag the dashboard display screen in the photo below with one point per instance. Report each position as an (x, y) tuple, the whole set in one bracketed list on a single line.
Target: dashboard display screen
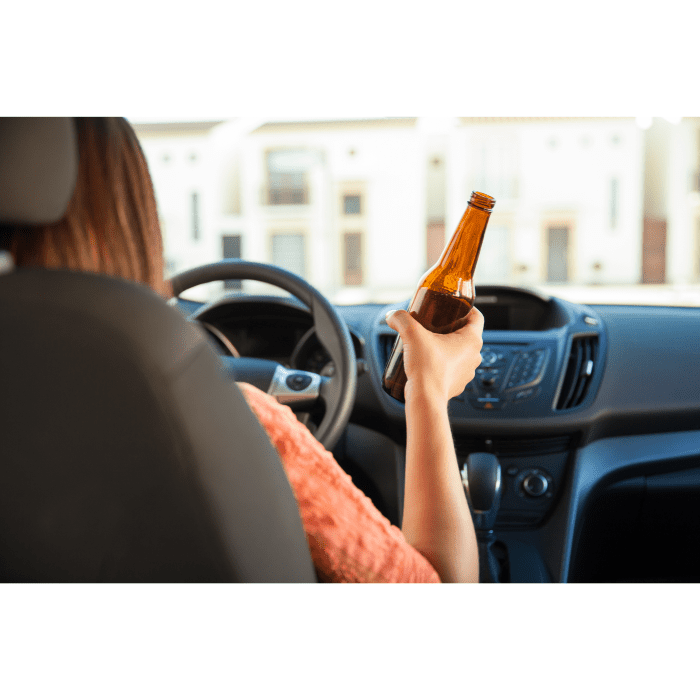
[(496, 318), (266, 339), (505, 313)]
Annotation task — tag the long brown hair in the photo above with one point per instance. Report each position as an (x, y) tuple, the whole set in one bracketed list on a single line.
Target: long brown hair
[(111, 225)]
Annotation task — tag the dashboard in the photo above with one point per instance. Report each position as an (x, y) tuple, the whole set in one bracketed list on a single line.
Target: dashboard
[(593, 413), (274, 329)]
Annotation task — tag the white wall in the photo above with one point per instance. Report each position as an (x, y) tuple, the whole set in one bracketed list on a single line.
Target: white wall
[(564, 171), (179, 165), (681, 207)]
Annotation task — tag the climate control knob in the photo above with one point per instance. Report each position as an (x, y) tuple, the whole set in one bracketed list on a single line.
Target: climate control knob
[(535, 484), (488, 358)]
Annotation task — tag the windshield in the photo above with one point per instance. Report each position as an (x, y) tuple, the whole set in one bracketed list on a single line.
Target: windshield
[(596, 210)]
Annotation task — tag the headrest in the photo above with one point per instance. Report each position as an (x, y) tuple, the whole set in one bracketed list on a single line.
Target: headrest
[(38, 168)]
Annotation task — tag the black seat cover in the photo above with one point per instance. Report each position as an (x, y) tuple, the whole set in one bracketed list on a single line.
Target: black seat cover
[(124, 453)]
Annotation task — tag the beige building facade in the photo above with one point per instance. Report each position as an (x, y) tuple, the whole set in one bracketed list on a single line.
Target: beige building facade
[(362, 207)]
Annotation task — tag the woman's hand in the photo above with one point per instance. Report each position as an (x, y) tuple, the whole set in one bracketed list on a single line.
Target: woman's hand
[(440, 365)]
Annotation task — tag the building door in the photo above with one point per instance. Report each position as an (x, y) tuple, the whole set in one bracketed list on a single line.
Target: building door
[(558, 254), (231, 248), (654, 251), (352, 259)]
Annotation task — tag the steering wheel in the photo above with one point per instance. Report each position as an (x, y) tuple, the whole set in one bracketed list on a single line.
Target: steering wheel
[(296, 388)]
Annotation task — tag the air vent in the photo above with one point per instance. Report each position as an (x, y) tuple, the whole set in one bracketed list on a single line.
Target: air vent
[(579, 372)]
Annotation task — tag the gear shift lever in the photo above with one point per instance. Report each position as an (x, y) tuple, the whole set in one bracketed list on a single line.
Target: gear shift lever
[(481, 477)]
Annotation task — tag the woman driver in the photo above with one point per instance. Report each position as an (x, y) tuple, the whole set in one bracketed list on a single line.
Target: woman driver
[(111, 227)]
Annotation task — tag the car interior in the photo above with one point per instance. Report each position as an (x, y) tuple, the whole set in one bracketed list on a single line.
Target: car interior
[(128, 453), (598, 454)]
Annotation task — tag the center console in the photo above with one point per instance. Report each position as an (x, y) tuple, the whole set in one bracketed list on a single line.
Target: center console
[(542, 362)]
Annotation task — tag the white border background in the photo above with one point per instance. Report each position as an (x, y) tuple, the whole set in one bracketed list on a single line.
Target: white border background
[(205, 59)]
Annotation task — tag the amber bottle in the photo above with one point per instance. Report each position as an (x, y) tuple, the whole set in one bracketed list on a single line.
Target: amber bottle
[(445, 293)]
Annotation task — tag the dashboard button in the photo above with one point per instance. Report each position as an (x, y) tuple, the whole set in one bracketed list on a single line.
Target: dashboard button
[(535, 483), (298, 382), (525, 394), (494, 356), (487, 402), (488, 357), (487, 378)]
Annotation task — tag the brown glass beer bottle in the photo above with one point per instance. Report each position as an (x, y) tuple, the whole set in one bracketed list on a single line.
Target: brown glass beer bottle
[(445, 293)]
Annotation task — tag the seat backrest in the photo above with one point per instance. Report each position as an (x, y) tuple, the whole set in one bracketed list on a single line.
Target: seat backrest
[(125, 455)]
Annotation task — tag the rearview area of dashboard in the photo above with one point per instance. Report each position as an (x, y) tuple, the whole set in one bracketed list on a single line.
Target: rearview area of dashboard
[(507, 309)]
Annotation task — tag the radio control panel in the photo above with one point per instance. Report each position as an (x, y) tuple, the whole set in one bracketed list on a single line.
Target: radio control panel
[(508, 374)]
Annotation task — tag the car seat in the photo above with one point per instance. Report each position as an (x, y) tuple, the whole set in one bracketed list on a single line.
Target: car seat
[(125, 454)]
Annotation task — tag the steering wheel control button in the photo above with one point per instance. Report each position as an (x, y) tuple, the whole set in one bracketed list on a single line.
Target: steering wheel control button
[(298, 382), (294, 388), (535, 483)]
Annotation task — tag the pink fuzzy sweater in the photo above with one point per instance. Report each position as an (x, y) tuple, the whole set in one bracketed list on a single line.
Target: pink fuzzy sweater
[(349, 539)]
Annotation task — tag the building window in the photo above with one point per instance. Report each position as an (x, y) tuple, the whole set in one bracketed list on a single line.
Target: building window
[(288, 251), (231, 248), (195, 216), (352, 204), (614, 188), (496, 167), (695, 181), (352, 258), (287, 177)]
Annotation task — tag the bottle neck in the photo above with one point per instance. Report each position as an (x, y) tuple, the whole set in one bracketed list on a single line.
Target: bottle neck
[(462, 251)]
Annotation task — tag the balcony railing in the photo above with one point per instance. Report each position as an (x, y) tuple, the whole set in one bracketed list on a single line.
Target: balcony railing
[(287, 195)]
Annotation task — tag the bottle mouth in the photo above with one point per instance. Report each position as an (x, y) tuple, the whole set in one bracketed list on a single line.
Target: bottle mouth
[(482, 201)]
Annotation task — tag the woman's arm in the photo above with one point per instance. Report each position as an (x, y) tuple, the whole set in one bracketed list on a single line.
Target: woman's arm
[(436, 517)]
